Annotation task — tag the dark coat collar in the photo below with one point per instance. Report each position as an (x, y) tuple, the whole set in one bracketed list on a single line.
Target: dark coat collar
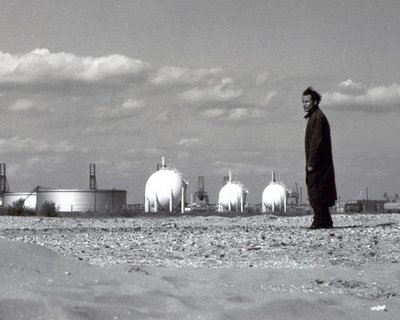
[(309, 113)]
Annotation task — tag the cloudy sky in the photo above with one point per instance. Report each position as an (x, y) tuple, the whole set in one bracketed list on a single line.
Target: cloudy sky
[(212, 85)]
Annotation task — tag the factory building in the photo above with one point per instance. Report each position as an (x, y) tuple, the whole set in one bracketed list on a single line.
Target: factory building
[(66, 200)]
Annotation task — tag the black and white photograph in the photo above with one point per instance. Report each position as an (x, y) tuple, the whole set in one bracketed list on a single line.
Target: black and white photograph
[(199, 159)]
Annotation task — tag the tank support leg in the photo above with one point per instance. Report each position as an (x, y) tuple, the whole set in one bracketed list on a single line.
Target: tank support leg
[(284, 203), (183, 200), (171, 200)]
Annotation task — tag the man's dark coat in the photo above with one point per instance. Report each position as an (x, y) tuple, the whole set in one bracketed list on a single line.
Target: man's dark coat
[(321, 180)]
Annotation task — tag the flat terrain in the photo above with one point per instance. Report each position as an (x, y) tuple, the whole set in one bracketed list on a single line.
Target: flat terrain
[(258, 267)]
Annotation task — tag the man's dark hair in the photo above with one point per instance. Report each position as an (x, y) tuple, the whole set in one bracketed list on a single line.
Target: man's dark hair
[(315, 96)]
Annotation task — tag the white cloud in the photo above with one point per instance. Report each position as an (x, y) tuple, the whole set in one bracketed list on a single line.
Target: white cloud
[(188, 141), (65, 147), (146, 151), (22, 105), (133, 104), (375, 99), (28, 145), (239, 113), (223, 91), (213, 113), (17, 144), (162, 117), (235, 115), (268, 98), (47, 163), (262, 78), (127, 109), (170, 75), (249, 113), (351, 84), (240, 168), (42, 66)]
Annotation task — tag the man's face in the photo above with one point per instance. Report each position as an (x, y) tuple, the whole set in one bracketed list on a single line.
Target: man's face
[(308, 104)]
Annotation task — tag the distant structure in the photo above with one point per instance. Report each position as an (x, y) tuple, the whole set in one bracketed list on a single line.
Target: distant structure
[(274, 197), (293, 196), (232, 196), (391, 204), (29, 198), (4, 187), (70, 200), (7, 197), (201, 197), (92, 176), (226, 180), (165, 190)]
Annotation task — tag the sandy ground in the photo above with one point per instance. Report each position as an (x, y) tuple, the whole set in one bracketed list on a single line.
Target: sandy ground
[(260, 267)]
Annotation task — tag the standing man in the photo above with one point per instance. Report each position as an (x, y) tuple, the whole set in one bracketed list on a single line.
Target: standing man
[(320, 174)]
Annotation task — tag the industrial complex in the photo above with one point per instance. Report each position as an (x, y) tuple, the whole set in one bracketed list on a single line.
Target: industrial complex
[(65, 200), (166, 191)]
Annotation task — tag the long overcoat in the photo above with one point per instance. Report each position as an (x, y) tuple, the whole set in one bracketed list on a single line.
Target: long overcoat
[(320, 181)]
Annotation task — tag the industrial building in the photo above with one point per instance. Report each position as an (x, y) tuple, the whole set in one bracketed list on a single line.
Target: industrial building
[(166, 190), (66, 200)]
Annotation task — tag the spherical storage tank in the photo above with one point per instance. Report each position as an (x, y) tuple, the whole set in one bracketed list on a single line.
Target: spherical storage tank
[(274, 197), (165, 190), (232, 196)]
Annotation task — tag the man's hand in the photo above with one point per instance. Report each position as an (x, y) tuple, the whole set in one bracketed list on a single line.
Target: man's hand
[(309, 168)]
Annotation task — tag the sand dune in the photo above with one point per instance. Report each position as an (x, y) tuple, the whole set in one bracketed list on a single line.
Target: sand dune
[(37, 283)]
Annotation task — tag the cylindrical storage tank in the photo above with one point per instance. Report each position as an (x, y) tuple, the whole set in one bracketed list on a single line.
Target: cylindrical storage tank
[(232, 197), (391, 207), (78, 200), (274, 197), (10, 197), (164, 190)]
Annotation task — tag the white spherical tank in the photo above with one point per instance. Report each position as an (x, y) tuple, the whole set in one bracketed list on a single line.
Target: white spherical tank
[(274, 197), (232, 196), (164, 190)]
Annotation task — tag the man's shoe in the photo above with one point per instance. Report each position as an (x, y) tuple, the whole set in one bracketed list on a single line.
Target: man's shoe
[(316, 226)]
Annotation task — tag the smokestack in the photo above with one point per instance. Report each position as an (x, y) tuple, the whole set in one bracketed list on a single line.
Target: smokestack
[(92, 176), (161, 165), (200, 184), (225, 181), (273, 177), (3, 178)]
